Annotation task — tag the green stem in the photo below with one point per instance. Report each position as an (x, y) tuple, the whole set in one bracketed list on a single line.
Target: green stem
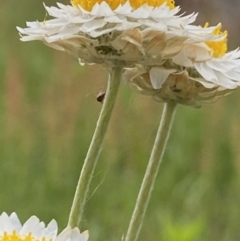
[(94, 149), (151, 172)]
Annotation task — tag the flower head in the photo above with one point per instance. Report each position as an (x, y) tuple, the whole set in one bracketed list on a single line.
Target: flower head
[(34, 230), (130, 31), (200, 72)]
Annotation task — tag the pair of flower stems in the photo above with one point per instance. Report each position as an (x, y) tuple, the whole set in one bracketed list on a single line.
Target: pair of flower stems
[(90, 162)]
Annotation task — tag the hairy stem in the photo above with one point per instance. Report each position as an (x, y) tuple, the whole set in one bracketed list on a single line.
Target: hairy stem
[(151, 172), (91, 159)]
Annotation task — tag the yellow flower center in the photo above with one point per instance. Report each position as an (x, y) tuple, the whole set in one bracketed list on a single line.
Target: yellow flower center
[(219, 47), (15, 237), (88, 4)]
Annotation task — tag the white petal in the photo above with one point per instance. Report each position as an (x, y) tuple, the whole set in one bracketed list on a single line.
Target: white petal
[(54, 11), (141, 12), (102, 9), (97, 33), (115, 19), (161, 26), (5, 223), (158, 76), (222, 66), (206, 72), (76, 236), (64, 235), (198, 52), (222, 80), (84, 236), (205, 83), (182, 60), (66, 33), (235, 54), (92, 25), (31, 225), (50, 232), (124, 9), (233, 75), (15, 222)]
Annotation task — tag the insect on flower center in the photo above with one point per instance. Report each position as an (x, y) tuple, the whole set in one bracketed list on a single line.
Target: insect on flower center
[(219, 48), (88, 4), (15, 237)]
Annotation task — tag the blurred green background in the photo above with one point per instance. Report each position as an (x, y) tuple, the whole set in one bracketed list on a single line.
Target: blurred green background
[(48, 112)]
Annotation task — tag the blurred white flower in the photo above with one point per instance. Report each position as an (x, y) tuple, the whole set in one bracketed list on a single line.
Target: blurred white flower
[(34, 230), (135, 31)]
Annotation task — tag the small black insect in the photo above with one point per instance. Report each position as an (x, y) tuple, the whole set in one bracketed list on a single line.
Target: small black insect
[(101, 97)]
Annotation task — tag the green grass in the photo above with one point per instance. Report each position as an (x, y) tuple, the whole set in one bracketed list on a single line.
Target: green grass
[(48, 112)]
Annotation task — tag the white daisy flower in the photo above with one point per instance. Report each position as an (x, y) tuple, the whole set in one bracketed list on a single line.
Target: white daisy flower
[(212, 61), (128, 31), (172, 85), (11, 229)]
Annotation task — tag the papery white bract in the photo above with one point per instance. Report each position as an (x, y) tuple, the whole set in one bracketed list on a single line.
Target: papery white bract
[(34, 230)]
